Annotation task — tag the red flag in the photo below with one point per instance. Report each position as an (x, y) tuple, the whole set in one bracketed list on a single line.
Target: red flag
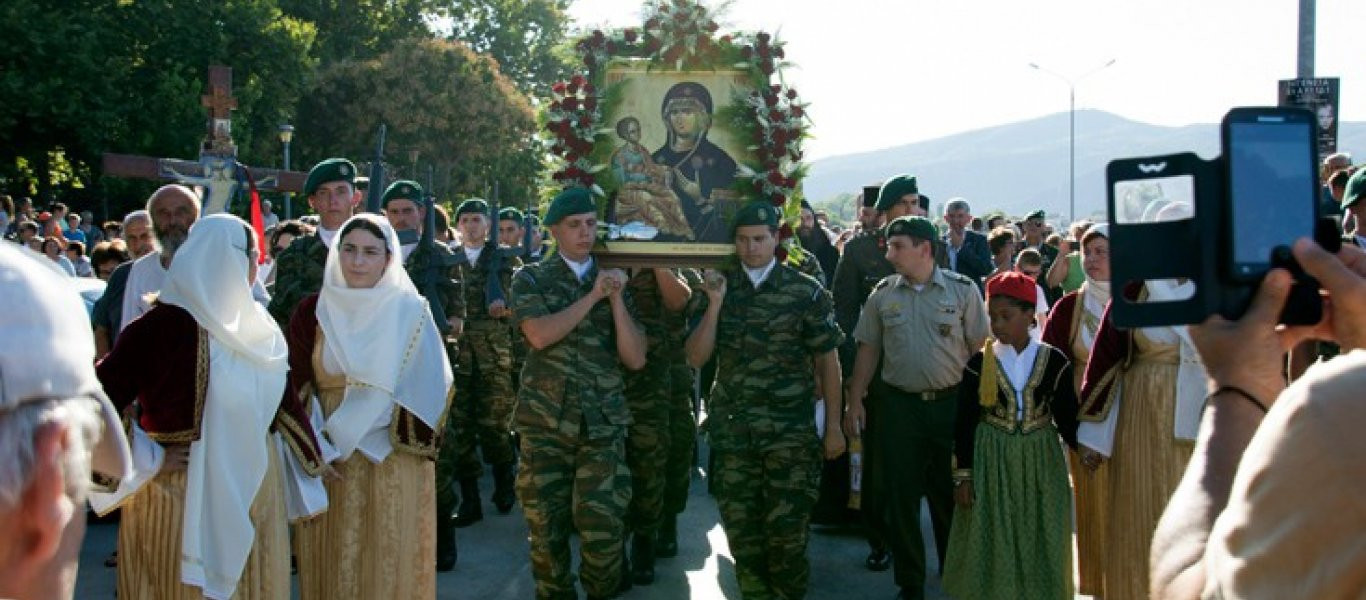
[(258, 222)]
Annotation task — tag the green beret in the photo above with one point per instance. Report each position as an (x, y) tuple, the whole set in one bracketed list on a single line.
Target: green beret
[(1356, 189), (756, 213), (916, 227), (332, 169), (573, 201), (1038, 214), (510, 214), (472, 205), (402, 189), (894, 190)]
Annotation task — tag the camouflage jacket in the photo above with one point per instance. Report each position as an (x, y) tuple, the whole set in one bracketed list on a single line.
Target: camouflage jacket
[(447, 284), (579, 379), (765, 339), (298, 274), (475, 279)]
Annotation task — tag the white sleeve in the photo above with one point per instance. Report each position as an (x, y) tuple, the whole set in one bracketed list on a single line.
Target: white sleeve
[(305, 495), (315, 417), (147, 457), (1100, 436)]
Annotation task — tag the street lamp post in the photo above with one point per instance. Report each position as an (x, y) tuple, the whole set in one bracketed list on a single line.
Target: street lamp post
[(287, 136), (1071, 131)]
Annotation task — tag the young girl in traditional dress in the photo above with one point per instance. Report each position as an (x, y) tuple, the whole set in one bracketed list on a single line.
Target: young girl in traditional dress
[(1011, 534)]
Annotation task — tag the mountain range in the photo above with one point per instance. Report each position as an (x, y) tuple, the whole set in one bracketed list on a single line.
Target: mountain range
[(1020, 167)]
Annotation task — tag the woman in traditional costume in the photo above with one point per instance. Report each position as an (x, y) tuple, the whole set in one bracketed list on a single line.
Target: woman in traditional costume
[(366, 354), (204, 514), (1012, 528), (1140, 412), (1071, 328)]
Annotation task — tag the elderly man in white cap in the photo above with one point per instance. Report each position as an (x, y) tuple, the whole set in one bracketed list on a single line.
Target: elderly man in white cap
[(56, 427)]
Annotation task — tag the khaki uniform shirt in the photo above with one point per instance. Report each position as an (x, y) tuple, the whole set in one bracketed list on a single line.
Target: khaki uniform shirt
[(926, 336)]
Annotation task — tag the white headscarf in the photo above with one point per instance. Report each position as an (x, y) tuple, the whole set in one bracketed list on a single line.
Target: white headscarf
[(248, 360), (1095, 294), (385, 340)]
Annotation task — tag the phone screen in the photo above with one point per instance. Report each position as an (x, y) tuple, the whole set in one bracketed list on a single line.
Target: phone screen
[(1272, 185)]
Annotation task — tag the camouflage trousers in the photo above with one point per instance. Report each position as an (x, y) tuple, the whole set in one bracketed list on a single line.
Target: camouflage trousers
[(569, 482), (484, 401), (446, 496), (682, 434), (765, 487), (647, 443)]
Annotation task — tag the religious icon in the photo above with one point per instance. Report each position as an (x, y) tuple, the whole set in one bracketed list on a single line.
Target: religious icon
[(673, 162)]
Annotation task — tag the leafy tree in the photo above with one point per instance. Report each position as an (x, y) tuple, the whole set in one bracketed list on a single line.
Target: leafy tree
[(436, 97), (361, 29), (88, 77), (526, 37)]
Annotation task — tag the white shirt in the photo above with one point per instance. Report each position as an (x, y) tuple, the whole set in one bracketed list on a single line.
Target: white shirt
[(144, 277), (1017, 367), (472, 254), (757, 276), (579, 268), (1040, 313), (327, 236)]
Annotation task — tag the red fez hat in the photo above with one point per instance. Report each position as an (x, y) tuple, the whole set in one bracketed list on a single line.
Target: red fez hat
[(1014, 285)]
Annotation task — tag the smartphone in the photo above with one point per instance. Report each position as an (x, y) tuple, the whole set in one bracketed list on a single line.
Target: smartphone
[(1272, 184)]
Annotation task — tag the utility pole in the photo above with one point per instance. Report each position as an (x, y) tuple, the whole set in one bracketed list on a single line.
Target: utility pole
[(1305, 55)]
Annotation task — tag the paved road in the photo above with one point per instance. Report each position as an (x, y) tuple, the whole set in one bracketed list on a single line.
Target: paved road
[(493, 561)]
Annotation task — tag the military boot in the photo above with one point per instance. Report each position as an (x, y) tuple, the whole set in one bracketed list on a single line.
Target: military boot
[(445, 543), (471, 510), (666, 541), (504, 488), (642, 559)]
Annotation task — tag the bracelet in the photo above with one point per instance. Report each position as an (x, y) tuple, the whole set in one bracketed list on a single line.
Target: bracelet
[(1237, 391)]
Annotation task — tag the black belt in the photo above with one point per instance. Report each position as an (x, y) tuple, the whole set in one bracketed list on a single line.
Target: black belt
[(931, 395)]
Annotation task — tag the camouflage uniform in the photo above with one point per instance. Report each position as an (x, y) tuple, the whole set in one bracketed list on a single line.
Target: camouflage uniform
[(761, 423), (452, 301), (572, 418), (298, 275), (484, 372), (682, 431), (648, 396)]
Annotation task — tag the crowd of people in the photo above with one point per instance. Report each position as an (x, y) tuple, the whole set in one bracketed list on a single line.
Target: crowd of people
[(343, 381)]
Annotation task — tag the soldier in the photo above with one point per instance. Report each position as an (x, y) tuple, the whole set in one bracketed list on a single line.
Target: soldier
[(681, 434), (924, 323), (331, 192), (658, 294), (484, 398), (426, 263), (571, 412), (768, 325), (510, 227), (863, 264)]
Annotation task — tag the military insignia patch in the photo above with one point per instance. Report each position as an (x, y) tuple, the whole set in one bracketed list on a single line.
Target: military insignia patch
[(344, 170), (763, 213), (945, 329), (407, 190)]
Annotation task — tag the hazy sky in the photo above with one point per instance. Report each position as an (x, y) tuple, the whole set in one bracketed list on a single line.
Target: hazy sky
[(885, 73)]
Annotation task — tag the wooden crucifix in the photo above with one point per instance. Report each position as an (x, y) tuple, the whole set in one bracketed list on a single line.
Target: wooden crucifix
[(216, 171)]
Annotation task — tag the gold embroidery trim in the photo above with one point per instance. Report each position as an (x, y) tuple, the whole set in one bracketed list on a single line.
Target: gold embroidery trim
[(201, 390)]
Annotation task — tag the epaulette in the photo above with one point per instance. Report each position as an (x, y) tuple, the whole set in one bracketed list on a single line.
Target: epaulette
[(956, 276), (884, 282)]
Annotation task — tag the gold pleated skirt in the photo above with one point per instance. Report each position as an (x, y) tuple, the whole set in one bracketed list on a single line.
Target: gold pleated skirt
[(377, 538), (150, 532), (1147, 464)]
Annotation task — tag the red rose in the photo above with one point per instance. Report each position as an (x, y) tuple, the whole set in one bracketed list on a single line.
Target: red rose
[(791, 94), (711, 27), (775, 178), (771, 101), (571, 157), (766, 67), (653, 23), (585, 121), (763, 38), (598, 36), (630, 35), (764, 52), (781, 253), (785, 231), (590, 103), (571, 104), (778, 52), (797, 112), (558, 88), (589, 89), (577, 81), (778, 200)]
